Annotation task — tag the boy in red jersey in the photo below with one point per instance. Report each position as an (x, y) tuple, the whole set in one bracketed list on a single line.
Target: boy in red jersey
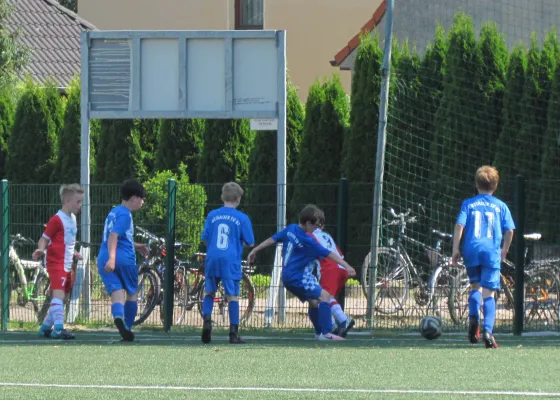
[(59, 239), (332, 278)]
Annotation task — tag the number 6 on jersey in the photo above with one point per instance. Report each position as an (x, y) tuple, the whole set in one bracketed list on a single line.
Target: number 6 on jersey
[(223, 237)]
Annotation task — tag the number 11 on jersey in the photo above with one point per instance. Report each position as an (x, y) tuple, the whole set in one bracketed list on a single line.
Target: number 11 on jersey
[(489, 218)]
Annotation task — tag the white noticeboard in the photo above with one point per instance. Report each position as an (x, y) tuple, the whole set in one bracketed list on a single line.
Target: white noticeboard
[(264, 124), (183, 74)]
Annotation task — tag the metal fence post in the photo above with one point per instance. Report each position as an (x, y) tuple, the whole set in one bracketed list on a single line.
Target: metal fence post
[(342, 227), (4, 262), (170, 259), (519, 254)]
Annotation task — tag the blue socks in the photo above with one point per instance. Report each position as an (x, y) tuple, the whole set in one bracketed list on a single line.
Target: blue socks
[(325, 317), (233, 307), (475, 300), (130, 310), (314, 317), (117, 309), (208, 305), (489, 309)]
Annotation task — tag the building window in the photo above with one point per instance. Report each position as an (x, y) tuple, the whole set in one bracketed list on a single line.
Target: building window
[(249, 14)]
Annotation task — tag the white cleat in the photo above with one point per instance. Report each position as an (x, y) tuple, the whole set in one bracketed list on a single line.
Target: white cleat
[(330, 336)]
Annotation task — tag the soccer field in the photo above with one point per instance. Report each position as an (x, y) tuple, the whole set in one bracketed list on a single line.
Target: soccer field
[(282, 366)]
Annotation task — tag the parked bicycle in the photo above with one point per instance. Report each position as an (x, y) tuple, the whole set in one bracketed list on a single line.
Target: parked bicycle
[(188, 284), (151, 276), (195, 293), (541, 287), (398, 276), (28, 278)]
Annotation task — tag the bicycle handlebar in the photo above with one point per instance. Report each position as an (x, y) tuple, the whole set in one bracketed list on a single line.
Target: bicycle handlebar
[(442, 235), (400, 218), (395, 215), (149, 235), (19, 238)]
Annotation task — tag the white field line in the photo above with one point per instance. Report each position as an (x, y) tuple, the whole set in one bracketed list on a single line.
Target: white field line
[(277, 389)]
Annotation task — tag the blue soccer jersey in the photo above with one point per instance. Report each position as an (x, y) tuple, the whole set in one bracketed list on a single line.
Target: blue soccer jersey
[(300, 252), (225, 231), (484, 218), (119, 221)]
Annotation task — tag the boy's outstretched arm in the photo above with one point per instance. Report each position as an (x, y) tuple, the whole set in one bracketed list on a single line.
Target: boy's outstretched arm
[(457, 234), (337, 259), (253, 254), (508, 237)]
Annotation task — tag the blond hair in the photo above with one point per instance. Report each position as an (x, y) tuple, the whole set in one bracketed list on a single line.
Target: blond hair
[(70, 190), (487, 178), (231, 192)]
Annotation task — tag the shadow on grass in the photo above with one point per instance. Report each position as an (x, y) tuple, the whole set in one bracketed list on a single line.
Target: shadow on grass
[(262, 340)]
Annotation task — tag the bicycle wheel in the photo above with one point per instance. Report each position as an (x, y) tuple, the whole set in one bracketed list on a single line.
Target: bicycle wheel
[(180, 297), (148, 294), (542, 284), (438, 287), (458, 300), (41, 299), (459, 292), (220, 310), (246, 298), (541, 294), (392, 281)]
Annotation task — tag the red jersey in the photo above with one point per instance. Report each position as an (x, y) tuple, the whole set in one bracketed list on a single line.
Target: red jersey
[(61, 233), (326, 240)]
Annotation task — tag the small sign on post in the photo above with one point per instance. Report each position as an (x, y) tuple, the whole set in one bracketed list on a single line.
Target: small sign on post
[(264, 124)]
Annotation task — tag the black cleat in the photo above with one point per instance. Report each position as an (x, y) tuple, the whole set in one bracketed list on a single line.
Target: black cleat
[(474, 330), (61, 334), (489, 341), (126, 334), (234, 335), (343, 330), (45, 333), (206, 330)]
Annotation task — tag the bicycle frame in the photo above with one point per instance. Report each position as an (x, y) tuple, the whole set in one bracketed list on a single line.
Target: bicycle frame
[(20, 267), (433, 254)]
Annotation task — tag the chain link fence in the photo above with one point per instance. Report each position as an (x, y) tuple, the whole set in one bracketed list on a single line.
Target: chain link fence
[(414, 275)]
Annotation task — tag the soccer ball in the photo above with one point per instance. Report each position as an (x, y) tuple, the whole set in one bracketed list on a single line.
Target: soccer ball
[(431, 327)]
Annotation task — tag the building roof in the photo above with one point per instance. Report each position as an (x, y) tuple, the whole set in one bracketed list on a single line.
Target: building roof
[(52, 33), (416, 21), (355, 41)]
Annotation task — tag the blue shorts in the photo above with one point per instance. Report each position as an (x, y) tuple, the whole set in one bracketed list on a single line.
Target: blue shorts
[(305, 289), (231, 287), (488, 278), (221, 267), (123, 277)]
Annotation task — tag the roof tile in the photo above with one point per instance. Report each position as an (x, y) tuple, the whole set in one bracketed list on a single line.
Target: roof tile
[(52, 33), (355, 41)]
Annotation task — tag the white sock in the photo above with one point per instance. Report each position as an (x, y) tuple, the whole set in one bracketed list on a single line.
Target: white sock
[(57, 310), (338, 313), (49, 319)]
